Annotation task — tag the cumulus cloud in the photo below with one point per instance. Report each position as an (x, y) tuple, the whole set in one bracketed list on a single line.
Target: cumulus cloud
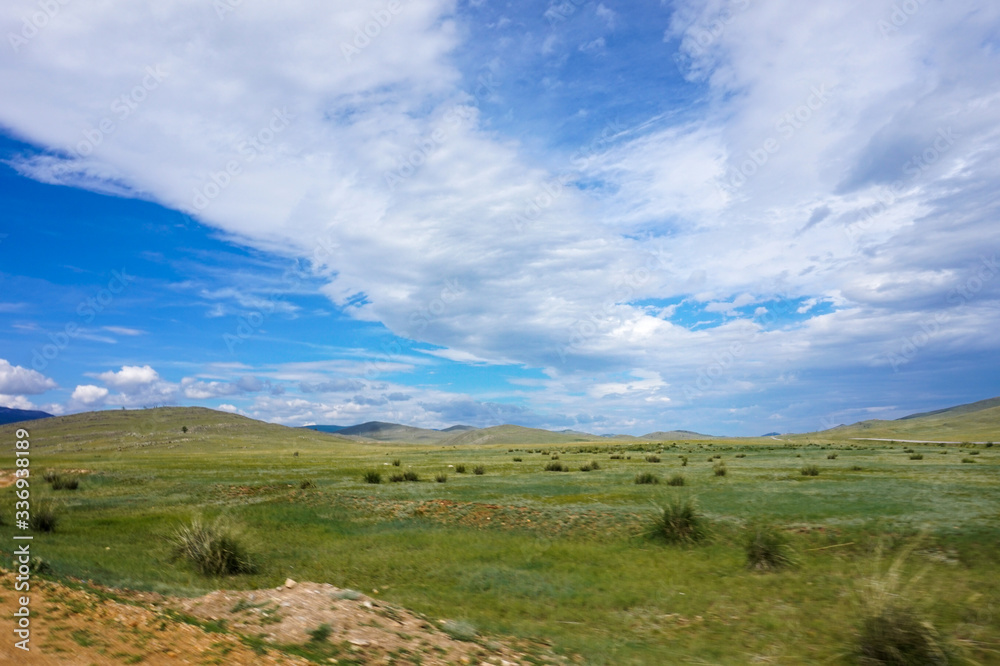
[(89, 395), (15, 379)]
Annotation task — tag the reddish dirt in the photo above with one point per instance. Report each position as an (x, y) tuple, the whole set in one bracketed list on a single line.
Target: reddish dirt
[(90, 625)]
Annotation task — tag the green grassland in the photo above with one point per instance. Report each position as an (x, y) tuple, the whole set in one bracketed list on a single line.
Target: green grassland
[(556, 557)]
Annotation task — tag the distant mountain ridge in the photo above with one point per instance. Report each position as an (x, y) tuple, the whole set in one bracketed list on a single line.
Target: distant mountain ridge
[(9, 415), (383, 431)]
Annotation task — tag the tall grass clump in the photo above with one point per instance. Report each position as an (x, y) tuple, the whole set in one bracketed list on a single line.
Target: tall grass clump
[(917, 456), (591, 466), (891, 631), (652, 459), (372, 477), (810, 470), (720, 469), (458, 630), (647, 478), (441, 478), (676, 480), (479, 469), (44, 517), (679, 522), (767, 548), (460, 469), (213, 549), (60, 482), (556, 467)]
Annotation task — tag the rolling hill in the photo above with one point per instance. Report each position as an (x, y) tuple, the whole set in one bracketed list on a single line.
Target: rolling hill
[(976, 421)]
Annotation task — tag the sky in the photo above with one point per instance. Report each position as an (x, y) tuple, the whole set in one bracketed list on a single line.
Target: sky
[(733, 217)]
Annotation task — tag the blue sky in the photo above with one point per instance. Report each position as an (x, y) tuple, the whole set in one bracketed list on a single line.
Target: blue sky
[(731, 217)]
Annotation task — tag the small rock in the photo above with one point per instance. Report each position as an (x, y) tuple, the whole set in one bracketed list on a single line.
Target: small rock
[(360, 642), (289, 583)]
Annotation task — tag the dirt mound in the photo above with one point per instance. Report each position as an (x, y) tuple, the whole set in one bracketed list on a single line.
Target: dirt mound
[(297, 623)]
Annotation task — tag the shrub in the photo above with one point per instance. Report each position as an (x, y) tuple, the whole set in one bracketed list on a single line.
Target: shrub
[(213, 549), (917, 456), (676, 480), (397, 462), (44, 517), (831, 456), (592, 465), (556, 467), (554, 456), (460, 469), (307, 484), (653, 459), (895, 635), (518, 459), (615, 456), (479, 469), (855, 468), (973, 453), (320, 633), (395, 478), (810, 470), (740, 455), (968, 460), (460, 631), (647, 478), (65, 482), (373, 477), (50, 475), (684, 461), (679, 522), (720, 469), (441, 478), (184, 429), (767, 548)]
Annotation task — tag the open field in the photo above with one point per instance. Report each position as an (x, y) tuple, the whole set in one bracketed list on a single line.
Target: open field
[(554, 562)]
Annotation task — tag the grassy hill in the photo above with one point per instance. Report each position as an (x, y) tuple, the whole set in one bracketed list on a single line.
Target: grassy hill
[(8, 415), (973, 422), (512, 435)]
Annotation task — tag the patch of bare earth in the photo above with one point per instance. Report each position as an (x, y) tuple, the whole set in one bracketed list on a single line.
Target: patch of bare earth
[(82, 625)]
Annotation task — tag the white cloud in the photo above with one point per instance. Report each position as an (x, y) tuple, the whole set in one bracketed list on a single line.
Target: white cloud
[(15, 379), (130, 377), (423, 217), (89, 395), (16, 402)]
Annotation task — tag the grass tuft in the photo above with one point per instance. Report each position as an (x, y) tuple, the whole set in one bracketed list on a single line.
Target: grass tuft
[(652, 459), (646, 478), (459, 469), (213, 549), (44, 517), (458, 630), (720, 469), (479, 469), (917, 456), (679, 522), (676, 480), (810, 470), (441, 478), (767, 548), (320, 633), (373, 477), (60, 482), (556, 467)]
